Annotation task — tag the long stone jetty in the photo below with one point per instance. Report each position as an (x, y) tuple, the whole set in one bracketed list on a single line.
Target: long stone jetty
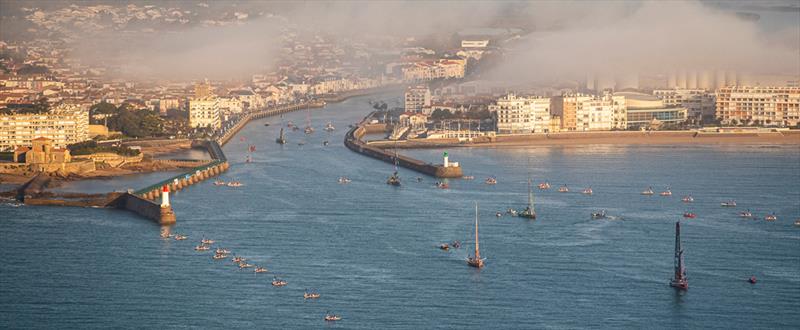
[(353, 141)]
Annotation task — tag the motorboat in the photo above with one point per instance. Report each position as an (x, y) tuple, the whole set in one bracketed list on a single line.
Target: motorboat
[(752, 280), (344, 180), (266, 124), (243, 265), (648, 191), (667, 192), (563, 189), (797, 222), (730, 203), (325, 143), (180, 237), (301, 143), (202, 248), (329, 127), (771, 217), (219, 256), (512, 212), (491, 180), (219, 183), (278, 282), (456, 244), (499, 214), (442, 185), (222, 251), (310, 295), (599, 215), (238, 259), (332, 317), (235, 184), (308, 130), (687, 199), (690, 215), (587, 191), (444, 246), (290, 124), (544, 186), (207, 241), (745, 214), (468, 177), (260, 270)]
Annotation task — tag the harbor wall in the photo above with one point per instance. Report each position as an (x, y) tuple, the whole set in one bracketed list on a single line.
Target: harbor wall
[(147, 209), (353, 141)]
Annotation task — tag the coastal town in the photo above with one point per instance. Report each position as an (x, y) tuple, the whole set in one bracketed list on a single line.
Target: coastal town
[(311, 149)]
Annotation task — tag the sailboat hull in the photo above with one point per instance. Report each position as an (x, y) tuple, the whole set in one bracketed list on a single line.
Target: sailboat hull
[(477, 263), (679, 284)]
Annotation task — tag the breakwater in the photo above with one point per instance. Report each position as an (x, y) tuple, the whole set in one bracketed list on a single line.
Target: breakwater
[(353, 141)]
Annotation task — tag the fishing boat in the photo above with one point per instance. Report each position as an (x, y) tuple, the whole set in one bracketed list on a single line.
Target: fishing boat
[(180, 237), (648, 191), (752, 280), (690, 215), (442, 185), (730, 203), (491, 180), (687, 199), (444, 246), (278, 282), (745, 214), (243, 265), (218, 256), (771, 217), (344, 180), (281, 139), (238, 259), (202, 247), (563, 189), (222, 251), (332, 317), (679, 281), (456, 244), (329, 127), (667, 192), (587, 191), (476, 260), (599, 215), (311, 295), (235, 184), (468, 177), (207, 241), (544, 186), (219, 182), (260, 270), (529, 212)]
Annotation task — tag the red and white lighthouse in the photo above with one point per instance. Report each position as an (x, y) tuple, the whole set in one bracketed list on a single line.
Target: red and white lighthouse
[(165, 196)]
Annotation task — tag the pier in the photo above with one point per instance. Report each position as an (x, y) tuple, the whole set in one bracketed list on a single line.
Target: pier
[(353, 141)]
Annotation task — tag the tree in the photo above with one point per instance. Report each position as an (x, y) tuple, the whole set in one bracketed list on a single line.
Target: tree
[(441, 114)]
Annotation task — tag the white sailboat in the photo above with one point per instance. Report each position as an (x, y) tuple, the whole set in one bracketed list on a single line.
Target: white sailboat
[(476, 260)]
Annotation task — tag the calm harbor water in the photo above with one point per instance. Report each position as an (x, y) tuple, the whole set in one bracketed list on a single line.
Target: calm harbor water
[(370, 249)]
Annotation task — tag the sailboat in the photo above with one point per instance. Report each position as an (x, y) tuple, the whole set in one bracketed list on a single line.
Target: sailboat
[(281, 139), (394, 180), (308, 129), (529, 212), (476, 260), (679, 281)]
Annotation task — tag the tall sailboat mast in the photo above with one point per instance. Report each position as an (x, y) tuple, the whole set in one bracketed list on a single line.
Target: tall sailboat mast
[(477, 245), (530, 196), (679, 280)]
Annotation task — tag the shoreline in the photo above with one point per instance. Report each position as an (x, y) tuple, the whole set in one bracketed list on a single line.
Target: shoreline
[(601, 138)]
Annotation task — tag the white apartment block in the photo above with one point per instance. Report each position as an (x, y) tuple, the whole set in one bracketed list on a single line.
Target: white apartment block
[(439, 69), (594, 113), (417, 98), (520, 115), (767, 106), (699, 102), (204, 112), (64, 124)]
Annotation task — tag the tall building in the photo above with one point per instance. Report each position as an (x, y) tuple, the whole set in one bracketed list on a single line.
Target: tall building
[(768, 106), (519, 115), (204, 110), (700, 103), (417, 98), (581, 112), (64, 124)]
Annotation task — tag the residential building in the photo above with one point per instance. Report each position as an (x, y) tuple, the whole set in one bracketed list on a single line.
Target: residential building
[(519, 115), (700, 103), (204, 108), (768, 106), (583, 112), (438, 69), (64, 124), (417, 98)]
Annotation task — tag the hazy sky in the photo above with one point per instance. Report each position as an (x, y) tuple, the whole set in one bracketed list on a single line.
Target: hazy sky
[(563, 38)]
